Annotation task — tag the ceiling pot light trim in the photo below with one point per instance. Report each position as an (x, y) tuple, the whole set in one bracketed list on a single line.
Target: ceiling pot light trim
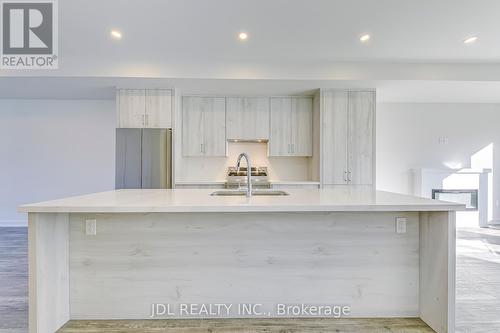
[(243, 36), (364, 38), (470, 40), (116, 34)]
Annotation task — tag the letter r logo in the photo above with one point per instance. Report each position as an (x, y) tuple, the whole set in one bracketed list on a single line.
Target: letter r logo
[(27, 27)]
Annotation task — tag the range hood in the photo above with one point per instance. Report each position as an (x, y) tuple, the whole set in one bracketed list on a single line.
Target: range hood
[(249, 140)]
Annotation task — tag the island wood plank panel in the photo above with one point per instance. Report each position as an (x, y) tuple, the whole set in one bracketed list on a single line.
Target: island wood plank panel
[(379, 325), (48, 253), (354, 259), (478, 258), (437, 270)]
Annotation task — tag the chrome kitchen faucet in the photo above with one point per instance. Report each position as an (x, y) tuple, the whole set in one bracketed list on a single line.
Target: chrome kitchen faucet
[(249, 173)]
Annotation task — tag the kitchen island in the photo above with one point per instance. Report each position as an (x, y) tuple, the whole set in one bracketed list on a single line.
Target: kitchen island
[(328, 247)]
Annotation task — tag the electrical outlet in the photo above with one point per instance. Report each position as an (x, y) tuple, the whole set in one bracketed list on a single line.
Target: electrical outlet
[(400, 225), (90, 227), (442, 140)]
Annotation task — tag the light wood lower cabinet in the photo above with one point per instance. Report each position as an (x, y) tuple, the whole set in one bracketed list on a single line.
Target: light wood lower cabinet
[(348, 137), (203, 126), (291, 126)]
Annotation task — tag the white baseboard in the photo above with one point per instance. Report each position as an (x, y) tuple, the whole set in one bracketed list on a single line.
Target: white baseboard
[(13, 223), (494, 222)]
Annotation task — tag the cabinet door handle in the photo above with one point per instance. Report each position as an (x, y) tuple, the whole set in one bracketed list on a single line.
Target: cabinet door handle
[(345, 176), (349, 176), (201, 148), (147, 120), (143, 120), (293, 148)]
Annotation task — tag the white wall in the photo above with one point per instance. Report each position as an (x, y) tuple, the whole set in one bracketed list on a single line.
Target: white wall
[(215, 168), (57, 148), (193, 169), (53, 148), (408, 137)]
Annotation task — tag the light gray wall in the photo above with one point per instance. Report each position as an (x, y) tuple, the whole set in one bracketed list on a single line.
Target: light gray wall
[(57, 148), (53, 148), (408, 137), (215, 168)]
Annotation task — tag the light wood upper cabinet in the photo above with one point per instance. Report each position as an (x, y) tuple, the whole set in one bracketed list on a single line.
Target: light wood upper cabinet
[(214, 121), (144, 108), (158, 108), (291, 126), (334, 132), (301, 129), (193, 136), (360, 137), (348, 137), (203, 126), (281, 123), (247, 118), (131, 107)]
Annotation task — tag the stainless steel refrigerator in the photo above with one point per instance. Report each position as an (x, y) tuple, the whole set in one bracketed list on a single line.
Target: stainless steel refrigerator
[(143, 158)]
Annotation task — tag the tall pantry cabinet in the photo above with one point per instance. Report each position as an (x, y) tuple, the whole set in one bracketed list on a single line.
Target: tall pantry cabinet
[(347, 137)]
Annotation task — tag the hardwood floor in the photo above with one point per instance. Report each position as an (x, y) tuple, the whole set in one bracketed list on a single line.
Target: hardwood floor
[(478, 297), (13, 280), (478, 280), (410, 325)]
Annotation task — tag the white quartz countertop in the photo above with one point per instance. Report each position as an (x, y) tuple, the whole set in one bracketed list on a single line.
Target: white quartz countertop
[(294, 182), (201, 182), (200, 200), (223, 182)]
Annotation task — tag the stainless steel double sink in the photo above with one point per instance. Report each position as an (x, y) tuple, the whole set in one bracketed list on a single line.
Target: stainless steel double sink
[(254, 192)]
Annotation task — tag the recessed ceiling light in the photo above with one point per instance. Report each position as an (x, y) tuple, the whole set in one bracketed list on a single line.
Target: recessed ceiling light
[(243, 36), (116, 34), (364, 38), (470, 40)]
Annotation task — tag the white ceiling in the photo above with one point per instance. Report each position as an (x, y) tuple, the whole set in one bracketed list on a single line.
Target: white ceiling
[(314, 31), (416, 53), (287, 39), (394, 91)]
